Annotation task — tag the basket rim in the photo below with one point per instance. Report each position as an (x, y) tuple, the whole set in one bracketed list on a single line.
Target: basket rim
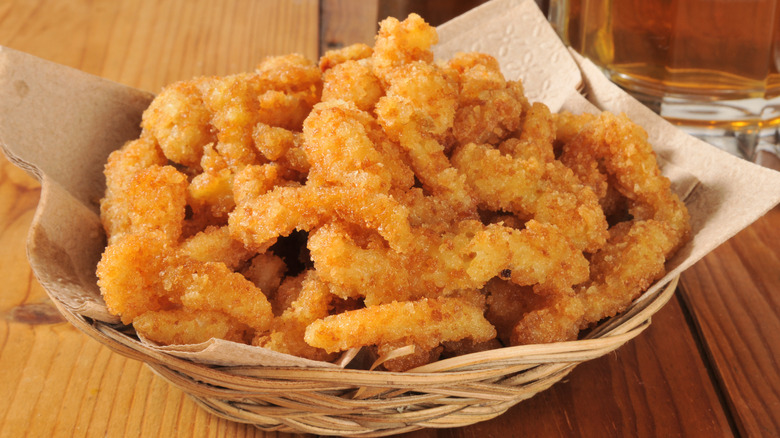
[(607, 336)]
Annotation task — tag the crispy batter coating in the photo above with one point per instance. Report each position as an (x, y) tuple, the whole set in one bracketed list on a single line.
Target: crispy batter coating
[(345, 146), (144, 272), (549, 192), (212, 286), (180, 122), (353, 81), (312, 302), (461, 260), (266, 270), (353, 52), (555, 320), (536, 138), (210, 193), (490, 108), (120, 171), (399, 43), (507, 303), (157, 200), (187, 326), (216, 244), (426, 322), (378, 199), (612, 155), (630, 262), (129, 275)]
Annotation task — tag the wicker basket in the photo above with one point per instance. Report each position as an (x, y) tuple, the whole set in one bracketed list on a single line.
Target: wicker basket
[(448, 393)]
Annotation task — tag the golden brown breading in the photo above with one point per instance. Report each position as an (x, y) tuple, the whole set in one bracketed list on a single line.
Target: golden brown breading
[(378, 199), (426, 322)]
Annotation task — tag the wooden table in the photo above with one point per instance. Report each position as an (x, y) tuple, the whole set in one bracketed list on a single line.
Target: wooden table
[(707, 366)]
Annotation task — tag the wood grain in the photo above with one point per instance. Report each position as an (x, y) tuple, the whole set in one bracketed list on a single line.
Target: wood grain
[(56, 381), (345, 22), (733, 294), (148, 44)]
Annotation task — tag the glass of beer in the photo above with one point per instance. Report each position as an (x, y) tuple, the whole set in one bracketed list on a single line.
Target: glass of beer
[(708, 66)]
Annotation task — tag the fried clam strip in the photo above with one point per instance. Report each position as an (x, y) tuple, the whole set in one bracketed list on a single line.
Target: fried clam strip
[(568, 125), (146, 271), (120, 170), (352, 81), (260, 220), (631, 261), (620, 147), (464, 259), (353, 167), (280, 92), (189, 326), (346, 147), (425, 322), (489, 107), (506, 305), (129, 275), (558, 319), (549, 192), (536, 137), (418, 108), (402, 42), (215, 244), (636, 250), (179, 121), (157, 200), (354, 52), (313, 302), (210, 193)]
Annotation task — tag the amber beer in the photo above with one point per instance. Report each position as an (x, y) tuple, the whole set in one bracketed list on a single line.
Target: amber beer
[(705, 63)]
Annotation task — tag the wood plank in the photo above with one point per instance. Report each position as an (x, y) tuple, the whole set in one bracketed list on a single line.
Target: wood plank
[(435, 12), (733, 297), (149, 44), (345, 22)]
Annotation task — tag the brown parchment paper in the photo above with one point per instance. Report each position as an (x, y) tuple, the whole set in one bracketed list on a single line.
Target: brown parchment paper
[(60, 124)]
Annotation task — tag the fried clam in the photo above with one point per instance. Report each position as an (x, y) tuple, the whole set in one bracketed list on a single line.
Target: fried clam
[(466, 258), (419, 106), (489, 107), (425, 322), (352, 171), (548, 192), (613, 151), (145, 271), (352, 81), (311, 302), (190, 326), (179, 121), (260, 221), (120, 171), (353, 52)]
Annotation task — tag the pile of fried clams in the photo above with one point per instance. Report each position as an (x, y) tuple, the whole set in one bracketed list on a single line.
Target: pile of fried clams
[(380, 200)]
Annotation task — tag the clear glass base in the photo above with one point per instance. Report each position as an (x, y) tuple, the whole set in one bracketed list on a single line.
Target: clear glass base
[(742, 127)]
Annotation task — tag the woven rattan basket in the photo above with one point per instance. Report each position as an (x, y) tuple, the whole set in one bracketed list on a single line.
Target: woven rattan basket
[(449, 393)]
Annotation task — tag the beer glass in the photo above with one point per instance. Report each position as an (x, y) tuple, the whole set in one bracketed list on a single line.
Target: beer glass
[(708, 66)]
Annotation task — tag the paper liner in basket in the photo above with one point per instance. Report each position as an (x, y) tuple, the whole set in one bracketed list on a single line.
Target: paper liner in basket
[(60, 125)]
